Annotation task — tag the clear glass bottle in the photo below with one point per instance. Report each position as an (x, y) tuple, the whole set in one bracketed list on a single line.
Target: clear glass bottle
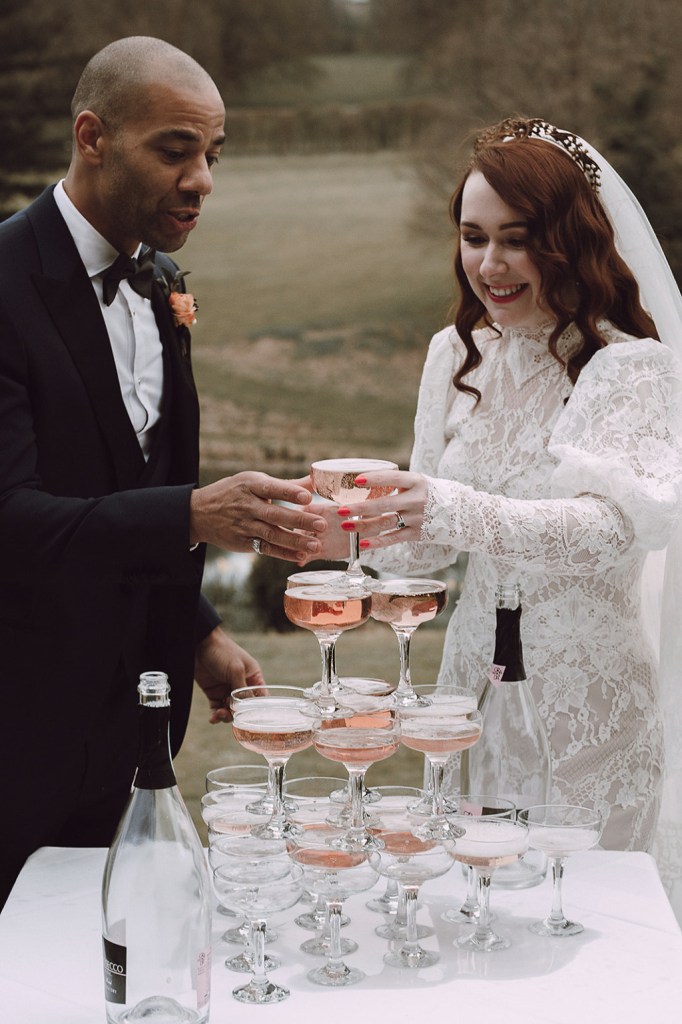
[(156, 896), (512, 758)]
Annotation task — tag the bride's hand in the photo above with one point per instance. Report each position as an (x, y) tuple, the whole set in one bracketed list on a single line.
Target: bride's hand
[(390, 520)]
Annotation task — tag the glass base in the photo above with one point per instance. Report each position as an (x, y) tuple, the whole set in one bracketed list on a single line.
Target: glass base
[(383, 905), (242, 936), (339, 974), (556, 929), (465, 915), (414, 958), (438, 827), (264, 993), (488, 943), (160, 1010), (396, 932), (242, 963), (321, 946), (312, 923)]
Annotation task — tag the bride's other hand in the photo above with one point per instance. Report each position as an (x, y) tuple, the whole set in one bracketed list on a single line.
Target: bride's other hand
[(393, 519)]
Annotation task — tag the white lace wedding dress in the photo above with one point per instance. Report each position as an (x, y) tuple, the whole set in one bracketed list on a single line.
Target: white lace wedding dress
[(564, 489)]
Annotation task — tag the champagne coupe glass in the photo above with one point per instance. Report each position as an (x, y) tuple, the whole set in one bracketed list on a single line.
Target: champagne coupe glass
[(411, 861), (334, 479), (439, 723), (336, 874), (560, 830), (327, 612), (256, 889), (237, 777), (357, 738), (405, 604), (391, 811), (488, 843), (276, 723), (478, 804), (223, 851), (311, 808)]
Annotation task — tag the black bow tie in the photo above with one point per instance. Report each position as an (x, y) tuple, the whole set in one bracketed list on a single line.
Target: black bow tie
[(139, 273)]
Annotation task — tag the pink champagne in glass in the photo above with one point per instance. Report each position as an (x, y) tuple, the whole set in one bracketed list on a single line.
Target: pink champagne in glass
[(334, 479)]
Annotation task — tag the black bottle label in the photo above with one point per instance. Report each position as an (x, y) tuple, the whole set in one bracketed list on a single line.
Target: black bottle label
[(114, 971), (508, 660), (155, 768)]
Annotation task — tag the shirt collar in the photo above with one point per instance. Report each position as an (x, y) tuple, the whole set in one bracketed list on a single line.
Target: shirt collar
[(95, 252)]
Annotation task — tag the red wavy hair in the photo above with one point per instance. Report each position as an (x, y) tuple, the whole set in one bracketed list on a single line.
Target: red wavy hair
[(570, 241)]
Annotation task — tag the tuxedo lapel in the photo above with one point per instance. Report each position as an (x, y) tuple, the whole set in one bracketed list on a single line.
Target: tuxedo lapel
[(180, 401), (70, 300)]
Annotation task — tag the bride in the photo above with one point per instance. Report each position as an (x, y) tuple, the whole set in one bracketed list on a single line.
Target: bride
[(548, 445)]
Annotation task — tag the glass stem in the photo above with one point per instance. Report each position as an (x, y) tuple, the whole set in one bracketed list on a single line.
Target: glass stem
[(404, 641), (258, 952), (411, 892), (334, 911), (357, 812), (436, 771), (276, 783), (470, 905), (557, 913), (327, 650), (483, 925), (354, 567)]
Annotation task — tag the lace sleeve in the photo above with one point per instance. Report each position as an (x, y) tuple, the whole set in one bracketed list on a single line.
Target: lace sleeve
[(620, 435), (618, 479), (578, 536)]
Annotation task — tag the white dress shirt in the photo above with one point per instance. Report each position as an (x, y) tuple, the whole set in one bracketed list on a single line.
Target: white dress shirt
[(130, 322)]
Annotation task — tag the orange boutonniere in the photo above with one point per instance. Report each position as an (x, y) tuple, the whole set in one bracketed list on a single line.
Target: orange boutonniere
[(183, 305), (184, 308)]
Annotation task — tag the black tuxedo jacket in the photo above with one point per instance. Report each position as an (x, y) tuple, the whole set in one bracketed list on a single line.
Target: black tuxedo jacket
[(97, 582)]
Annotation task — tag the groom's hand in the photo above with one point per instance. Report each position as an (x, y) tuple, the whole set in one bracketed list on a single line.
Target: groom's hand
[(233, 512)]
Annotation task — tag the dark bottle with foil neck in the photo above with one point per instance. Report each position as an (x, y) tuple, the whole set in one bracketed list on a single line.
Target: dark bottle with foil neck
[(156, 909), (512, 758)]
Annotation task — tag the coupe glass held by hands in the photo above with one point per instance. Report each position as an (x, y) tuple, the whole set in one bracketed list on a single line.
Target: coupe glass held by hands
[(560, 830), (404, 604), (334, 479)]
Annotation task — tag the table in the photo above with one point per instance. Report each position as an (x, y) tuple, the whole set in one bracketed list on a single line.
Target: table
[(626, 966)]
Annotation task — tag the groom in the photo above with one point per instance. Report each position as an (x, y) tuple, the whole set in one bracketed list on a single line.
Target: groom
[(102, 526)]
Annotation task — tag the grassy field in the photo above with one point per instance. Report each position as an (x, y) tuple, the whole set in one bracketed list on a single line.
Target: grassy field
[(316, 302), (293, 659)]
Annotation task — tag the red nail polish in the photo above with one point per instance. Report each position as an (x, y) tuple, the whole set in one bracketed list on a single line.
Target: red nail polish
[(364, 544), (360, 481), (348, 527), (343, 511)]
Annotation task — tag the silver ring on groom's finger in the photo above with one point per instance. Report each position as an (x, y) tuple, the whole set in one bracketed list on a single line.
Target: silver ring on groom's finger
[(255, 544), (400, 523)]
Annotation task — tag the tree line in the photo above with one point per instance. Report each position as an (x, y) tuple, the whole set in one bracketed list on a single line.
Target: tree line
[(607, 70)]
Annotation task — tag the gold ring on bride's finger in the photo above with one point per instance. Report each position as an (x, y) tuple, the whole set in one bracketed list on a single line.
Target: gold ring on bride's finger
[(400, 523)]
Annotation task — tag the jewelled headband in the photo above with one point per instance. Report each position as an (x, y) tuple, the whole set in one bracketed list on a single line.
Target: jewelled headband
[(520, 128)]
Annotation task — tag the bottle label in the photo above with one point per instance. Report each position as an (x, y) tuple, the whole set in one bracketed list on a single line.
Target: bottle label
[(114, 971), (495, 674), (203, 977)]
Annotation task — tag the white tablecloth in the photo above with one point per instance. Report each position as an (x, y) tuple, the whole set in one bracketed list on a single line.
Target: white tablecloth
[(625, 968)]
